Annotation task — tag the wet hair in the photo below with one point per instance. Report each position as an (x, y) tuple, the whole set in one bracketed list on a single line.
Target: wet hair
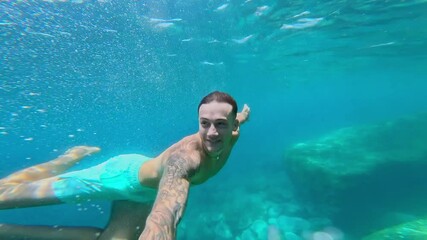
[(221, 97)]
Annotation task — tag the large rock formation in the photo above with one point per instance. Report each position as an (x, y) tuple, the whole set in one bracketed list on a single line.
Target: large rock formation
[(414, 230), (360, 175)]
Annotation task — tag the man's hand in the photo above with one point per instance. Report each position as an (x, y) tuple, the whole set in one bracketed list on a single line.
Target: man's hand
[(243, 116)]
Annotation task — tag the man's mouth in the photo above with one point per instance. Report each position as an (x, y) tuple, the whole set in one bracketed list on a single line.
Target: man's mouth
[(214, 141)]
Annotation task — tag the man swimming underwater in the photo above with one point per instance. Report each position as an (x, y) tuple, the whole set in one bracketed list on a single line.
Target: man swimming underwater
[(190, 161)]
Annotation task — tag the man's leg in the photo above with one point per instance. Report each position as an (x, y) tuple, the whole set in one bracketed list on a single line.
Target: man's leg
[(20, 232), (37, 193), (49, 169), (33, 186), (127, 220), (19, 183)]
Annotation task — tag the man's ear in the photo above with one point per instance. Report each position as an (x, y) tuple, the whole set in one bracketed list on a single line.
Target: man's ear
[(236, 125)]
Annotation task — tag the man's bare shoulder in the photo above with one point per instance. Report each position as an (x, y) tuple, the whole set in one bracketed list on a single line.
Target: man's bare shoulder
[(187, 150), (183, 153), (188, 147), (191, 141)]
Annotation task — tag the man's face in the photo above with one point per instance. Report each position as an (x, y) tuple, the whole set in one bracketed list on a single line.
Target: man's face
[(216, 124)]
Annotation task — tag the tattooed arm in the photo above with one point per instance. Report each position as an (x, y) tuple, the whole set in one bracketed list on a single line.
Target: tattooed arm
[(170, 201)]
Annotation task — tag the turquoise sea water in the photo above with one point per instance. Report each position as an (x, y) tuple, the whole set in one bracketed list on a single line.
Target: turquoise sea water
[(128, 75)]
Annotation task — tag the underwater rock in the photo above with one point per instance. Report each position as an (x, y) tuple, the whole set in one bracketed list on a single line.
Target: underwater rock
[(274, 211), (292, 208), (365, 172), (260, 227), (223, 231), (272, 221), (244, 222), (216, 217), (274, 233), (291, 236), (292, 224), (320, 223), (248, 234), (415, 230)]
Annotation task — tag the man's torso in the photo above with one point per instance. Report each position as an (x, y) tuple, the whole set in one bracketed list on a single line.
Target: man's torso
[(189, 148)]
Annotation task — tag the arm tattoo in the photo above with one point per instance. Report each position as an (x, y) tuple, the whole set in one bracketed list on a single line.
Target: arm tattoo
[(170, 202)]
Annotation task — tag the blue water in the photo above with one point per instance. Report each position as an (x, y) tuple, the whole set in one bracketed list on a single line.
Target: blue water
[(128, 75)]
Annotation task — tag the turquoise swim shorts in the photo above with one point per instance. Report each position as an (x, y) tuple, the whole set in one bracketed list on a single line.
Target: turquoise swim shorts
[(114, 179)]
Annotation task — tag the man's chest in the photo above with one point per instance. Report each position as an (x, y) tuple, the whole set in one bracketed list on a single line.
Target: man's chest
[(206, 170)]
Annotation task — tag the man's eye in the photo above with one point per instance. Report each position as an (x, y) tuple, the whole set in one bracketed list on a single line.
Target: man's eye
[(221, 124), (204, 124)]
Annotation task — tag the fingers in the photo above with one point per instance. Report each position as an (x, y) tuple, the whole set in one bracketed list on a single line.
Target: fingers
[(246, 109), (245, 112)]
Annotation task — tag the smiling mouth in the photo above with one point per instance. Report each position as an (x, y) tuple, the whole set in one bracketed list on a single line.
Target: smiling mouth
[(213, 141)]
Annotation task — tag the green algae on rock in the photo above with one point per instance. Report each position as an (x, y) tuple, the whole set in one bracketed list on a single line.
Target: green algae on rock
[(414, 230)]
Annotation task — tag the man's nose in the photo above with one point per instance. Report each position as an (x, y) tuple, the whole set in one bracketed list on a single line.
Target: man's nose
[(212, 131)]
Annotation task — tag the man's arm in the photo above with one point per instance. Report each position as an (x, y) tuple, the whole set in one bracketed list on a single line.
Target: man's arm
[(170, 201), (241, 117)]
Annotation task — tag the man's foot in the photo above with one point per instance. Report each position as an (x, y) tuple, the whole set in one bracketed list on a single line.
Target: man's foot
[(79, 152)]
